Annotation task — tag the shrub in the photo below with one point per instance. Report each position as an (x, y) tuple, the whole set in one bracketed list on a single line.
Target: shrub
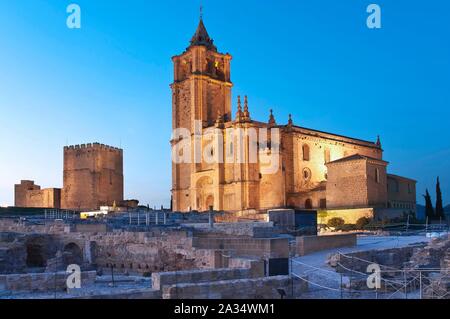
[(336, 222), (346, 227), (362, 222)]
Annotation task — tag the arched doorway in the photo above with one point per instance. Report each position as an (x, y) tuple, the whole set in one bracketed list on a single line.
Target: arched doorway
[(35, 255), (308, 203), (40, 248), (204, 189), (72, 254)]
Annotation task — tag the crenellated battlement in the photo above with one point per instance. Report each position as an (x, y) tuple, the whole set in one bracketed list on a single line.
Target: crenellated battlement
[(92, 146)]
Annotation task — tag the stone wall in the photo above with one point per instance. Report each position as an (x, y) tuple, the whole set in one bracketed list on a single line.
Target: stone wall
[(259, 247), (309, 244), (145, 253), (350, 216), (42, 281), (28, 194), (93, 176), (236, 229), (160, 280), (259, 288)]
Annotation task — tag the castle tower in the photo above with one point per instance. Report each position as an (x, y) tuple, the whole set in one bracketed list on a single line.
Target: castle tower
[(93, 176), (201, 92)]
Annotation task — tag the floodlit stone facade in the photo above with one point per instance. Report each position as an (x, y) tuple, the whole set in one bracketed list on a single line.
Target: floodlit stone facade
[(314, 169)]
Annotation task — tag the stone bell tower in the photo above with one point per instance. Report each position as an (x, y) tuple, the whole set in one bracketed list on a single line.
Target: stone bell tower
[(201, 91), (202, 86)]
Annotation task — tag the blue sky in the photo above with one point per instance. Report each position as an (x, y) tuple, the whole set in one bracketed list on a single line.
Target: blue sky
[(109, 81)]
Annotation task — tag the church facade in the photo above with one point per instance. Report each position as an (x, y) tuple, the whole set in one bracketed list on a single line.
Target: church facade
[(312, 169)]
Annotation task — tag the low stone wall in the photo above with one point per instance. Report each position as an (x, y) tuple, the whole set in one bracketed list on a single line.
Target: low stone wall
[(393, 257), (130, 294), (236, 229), (42, 281), (257, 247), (15, 225), (350, 216), (258, 288), (90, 228), (163, 279), (309, 244)]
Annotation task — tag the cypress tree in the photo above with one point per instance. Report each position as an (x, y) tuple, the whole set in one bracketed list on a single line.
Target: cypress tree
[(429, 211), (439, 208)]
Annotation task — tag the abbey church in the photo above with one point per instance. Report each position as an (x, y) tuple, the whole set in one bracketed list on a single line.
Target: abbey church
[(316, 169)]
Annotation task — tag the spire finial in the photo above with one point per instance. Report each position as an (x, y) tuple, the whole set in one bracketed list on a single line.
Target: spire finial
[(246, 112), (290, 122), (239, 114), (271, 119), (201, 10), (378, 141)]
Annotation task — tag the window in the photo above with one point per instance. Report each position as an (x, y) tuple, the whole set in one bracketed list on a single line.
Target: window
[(409, 188), (323, 203), (308, 204), (306, 174), (305, 150), (377, 175)]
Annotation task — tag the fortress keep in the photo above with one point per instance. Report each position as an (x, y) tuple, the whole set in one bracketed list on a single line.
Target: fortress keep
[(93, 176)]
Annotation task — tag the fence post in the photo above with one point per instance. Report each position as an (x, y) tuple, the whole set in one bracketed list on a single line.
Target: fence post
[(420, 284), (404, 279)]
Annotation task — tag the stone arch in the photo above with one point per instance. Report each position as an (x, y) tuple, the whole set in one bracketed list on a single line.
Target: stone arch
[(35, 255), (308, 204), (39, 249), (72, 254), (204, 189)]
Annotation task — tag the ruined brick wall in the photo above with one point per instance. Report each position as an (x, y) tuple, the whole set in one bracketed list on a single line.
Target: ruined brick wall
[(93, 176), (145, 253), (28, 194)]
